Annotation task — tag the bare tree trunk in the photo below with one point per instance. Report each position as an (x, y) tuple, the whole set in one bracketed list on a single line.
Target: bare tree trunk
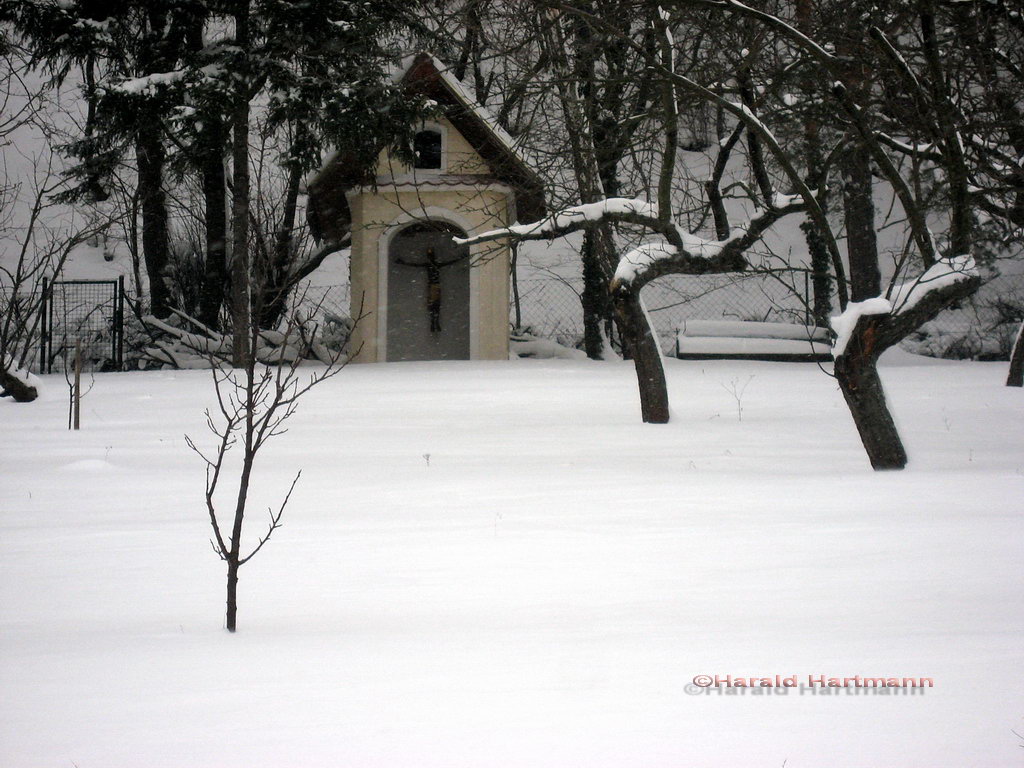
[(961, 210), (821, 278), (861, 237), (250, 439), (77, 393), (210, 158), (232, 597), (858, 379), (240, 273), (817, 248), (856, 369), (149, 152), (151, 159), (596, 304), (650, 373), (274, 280), (578, 108), (214, 181), (514, 274), (1015, 378)]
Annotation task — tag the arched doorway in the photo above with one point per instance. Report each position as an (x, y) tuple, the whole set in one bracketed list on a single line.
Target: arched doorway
[(428, 294)]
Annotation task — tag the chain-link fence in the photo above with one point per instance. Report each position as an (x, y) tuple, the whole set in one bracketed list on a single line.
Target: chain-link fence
[(980, 328), (329, 303), (551, 308), (90, 314)]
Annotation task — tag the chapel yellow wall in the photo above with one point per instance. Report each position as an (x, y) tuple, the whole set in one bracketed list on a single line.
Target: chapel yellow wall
[(477, 210), (460, 155)]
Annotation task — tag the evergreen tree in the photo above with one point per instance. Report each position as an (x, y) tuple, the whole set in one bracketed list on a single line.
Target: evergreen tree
[(190, 75), (127, 53)]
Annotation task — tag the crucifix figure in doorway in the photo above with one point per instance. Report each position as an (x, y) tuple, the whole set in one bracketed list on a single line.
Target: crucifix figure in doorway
[(433, 268)]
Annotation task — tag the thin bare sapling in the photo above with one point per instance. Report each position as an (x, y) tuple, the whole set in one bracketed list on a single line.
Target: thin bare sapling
[(253, 404)]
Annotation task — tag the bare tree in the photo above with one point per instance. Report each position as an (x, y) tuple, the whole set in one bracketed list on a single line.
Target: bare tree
[(850, 55), (568, 91), (679, 251), (253, 404), (875, 319), (33, 250)]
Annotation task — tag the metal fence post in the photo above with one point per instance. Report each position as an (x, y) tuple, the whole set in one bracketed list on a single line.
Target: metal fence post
[(49, 326), (119, 324), (44, 327)]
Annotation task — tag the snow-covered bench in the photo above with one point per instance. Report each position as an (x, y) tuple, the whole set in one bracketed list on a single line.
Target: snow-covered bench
[(740, 340)]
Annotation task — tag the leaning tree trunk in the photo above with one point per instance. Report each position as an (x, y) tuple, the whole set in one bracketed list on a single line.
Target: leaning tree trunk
[(857, 373), (856, 368), (1015, 378), (650, 373), (16, 388)]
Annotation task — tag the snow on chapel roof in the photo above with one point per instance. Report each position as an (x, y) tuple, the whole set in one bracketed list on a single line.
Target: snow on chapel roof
[(461, 92), (328, 208)]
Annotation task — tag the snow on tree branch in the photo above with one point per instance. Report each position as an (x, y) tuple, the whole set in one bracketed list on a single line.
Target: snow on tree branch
[(679, 252), (844, 324), (149, 84), (926, 150), (695, 255), (574, 219), (644, 256), (907, 297)]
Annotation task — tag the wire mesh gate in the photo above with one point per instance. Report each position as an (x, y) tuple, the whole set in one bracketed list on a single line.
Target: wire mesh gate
[(84, 313)]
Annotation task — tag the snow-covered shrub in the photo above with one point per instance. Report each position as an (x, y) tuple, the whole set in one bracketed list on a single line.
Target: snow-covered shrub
[(982, 328), (185, 272), (334, 332), (137, 336), (522, 343), (180, 341)]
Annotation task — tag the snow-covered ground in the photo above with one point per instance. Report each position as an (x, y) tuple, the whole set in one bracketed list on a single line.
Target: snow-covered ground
[(496, 564)]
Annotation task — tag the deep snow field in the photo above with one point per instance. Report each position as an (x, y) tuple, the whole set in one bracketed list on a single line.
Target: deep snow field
[(497, 564)]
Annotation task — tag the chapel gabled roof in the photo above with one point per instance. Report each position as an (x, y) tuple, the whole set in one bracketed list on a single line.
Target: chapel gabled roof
[(428, 77)]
